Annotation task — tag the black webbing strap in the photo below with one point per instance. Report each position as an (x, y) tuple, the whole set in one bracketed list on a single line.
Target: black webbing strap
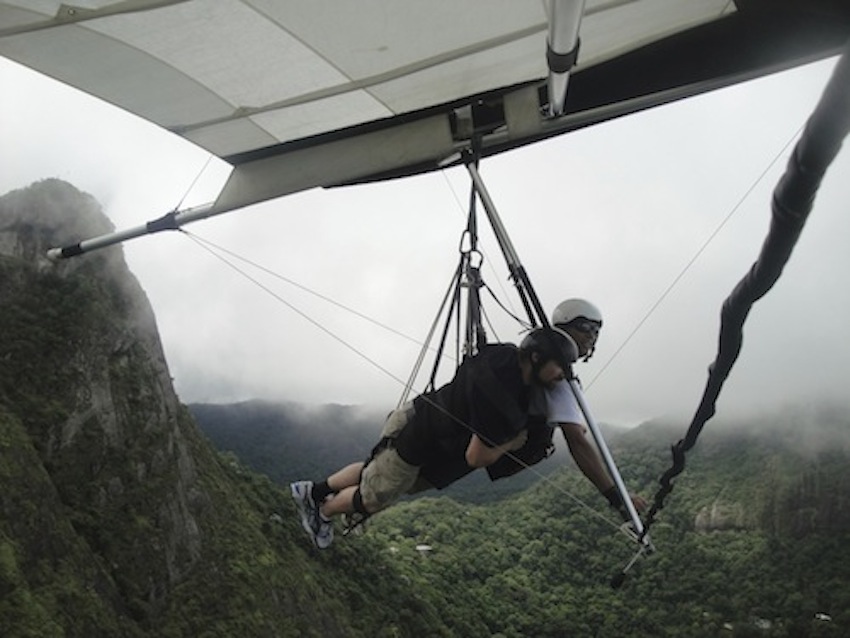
[(793, 198), (483, 379), (475, 334)]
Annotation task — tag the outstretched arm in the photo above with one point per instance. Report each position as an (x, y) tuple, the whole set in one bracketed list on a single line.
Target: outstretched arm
[(590, 463), (586, 457), (478, 454)]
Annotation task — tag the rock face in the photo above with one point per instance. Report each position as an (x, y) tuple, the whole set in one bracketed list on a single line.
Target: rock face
[(817, 500), (84, 372), (787, 479), (721, 516), (117, 518)]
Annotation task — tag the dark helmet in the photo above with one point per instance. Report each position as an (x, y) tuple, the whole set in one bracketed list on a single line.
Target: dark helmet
[(551, 344)]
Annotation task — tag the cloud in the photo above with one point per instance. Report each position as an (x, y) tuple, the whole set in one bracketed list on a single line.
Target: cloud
[(618, 213)]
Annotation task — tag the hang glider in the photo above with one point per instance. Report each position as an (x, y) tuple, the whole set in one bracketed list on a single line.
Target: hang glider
[(299, 94), (296, 94)]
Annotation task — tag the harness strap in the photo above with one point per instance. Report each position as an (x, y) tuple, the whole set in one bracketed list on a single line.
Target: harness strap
[(484, 379)]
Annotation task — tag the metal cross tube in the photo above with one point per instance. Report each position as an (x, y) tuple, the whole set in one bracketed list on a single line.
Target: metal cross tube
[(169, 221)]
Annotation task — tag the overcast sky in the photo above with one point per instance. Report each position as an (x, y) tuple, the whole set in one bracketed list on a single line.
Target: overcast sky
[(614, 213)]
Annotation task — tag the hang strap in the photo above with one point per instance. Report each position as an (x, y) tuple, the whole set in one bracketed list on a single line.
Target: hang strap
[(793, 199)]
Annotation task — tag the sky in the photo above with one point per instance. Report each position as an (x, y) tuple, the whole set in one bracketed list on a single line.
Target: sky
[(654, 217)]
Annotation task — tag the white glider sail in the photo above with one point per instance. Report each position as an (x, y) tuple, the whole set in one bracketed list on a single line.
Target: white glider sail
[(299, 94)]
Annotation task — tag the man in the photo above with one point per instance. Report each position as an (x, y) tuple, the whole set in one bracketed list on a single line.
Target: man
[(582, 321), (472, 422)]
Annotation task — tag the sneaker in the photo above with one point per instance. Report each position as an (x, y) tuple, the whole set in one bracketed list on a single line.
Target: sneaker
[(317, 526), (307, 510), (325, 533)]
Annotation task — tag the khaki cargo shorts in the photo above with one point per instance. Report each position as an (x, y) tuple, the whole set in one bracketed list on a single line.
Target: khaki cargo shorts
[(387, 477)]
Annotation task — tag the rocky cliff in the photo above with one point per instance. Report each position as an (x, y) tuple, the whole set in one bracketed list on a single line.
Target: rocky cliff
[(95, 390), (116, 516)]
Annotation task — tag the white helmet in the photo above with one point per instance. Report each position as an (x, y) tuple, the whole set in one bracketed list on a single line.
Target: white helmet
[(572, 309)]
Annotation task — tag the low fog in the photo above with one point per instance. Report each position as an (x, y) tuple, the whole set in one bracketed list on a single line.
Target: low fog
[(654, 217)]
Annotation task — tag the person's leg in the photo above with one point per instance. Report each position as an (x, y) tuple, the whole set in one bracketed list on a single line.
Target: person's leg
[(346, 477), (348, 490), (339, 480), (340, 503), (382, 482), (350, 474)]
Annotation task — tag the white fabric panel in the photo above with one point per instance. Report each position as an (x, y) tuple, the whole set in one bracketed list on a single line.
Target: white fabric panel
[(111, 70), (49, 8), (238, 75), (231, 136), (370, 37), (228, 47), (503, 66), (337, 161), (12, 16), (311, 119), (606, 34)]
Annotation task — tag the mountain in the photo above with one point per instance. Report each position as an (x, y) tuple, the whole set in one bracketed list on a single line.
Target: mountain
[(118, 517), (782, 474), (290, 441), (751, 542), (793, 459)]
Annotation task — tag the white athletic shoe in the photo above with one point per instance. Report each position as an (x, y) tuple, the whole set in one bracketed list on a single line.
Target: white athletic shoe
[(325, 532), (317, 526)]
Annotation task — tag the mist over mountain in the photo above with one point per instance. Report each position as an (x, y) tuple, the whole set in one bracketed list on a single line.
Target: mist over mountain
[(789, 455), (289, 441), (118, 517)]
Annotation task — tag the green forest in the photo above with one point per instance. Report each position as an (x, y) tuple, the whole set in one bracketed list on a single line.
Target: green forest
[(540, 562), (123, 514)]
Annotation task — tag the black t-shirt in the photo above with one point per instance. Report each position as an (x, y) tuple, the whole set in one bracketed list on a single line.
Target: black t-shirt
[(487, 397)]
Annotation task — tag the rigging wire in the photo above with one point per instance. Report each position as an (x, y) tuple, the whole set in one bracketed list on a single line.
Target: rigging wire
[(211, 249), (510, 313), (781, 153), (289, 305), (194, 181), (420, 359), (318, 295), (409, 385)]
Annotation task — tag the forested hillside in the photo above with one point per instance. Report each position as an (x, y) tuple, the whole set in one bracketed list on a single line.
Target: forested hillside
[(289, 441), (540, 565), (752, 541), (119, 518)]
